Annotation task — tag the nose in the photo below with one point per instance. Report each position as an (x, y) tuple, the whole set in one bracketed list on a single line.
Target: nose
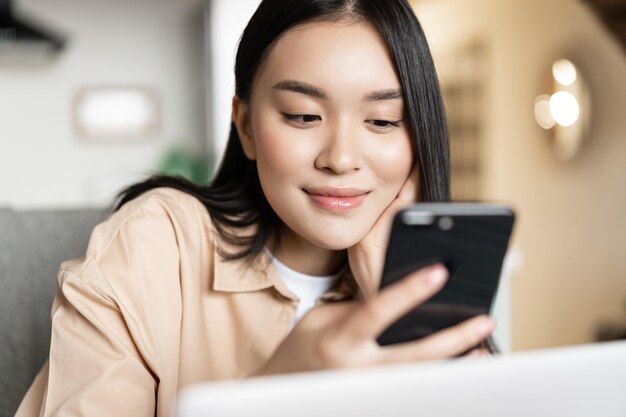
[(340, 153)]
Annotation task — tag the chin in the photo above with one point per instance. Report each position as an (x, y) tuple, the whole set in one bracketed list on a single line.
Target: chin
[(335, 241)]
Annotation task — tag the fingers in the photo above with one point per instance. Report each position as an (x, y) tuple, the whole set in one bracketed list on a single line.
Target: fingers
[(408, 193), (406, 196), (446, 343), (379, 312), (477, 353), (367, 256)]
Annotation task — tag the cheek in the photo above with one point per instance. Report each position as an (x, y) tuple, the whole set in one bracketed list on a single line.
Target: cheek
[(283, 156), (278, 154), (391, 162)]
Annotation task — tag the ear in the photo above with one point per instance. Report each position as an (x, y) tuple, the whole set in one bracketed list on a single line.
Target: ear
[(241, 119)]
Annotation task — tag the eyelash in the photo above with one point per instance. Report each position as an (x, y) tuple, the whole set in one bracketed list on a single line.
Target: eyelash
[(388, 123), (299, 118), (296, 118)]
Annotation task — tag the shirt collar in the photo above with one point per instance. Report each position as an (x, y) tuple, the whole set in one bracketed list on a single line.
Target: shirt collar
[(260, 274)]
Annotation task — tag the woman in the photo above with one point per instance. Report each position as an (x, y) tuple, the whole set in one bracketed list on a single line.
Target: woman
[(337, 123)]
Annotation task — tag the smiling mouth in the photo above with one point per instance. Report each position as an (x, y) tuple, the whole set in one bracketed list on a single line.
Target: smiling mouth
[(336, 199)]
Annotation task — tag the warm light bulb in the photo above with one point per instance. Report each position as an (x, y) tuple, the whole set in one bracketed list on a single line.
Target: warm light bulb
[(564, 108), (564, 72), (542, 112)]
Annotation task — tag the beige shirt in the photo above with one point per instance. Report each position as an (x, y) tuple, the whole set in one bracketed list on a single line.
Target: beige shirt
[(152, 308)]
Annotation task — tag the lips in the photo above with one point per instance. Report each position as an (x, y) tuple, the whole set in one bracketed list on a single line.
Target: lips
[(336, 199)]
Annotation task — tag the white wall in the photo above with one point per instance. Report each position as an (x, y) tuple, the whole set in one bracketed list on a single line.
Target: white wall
[(113, 42), (227, 20), (571, 228)]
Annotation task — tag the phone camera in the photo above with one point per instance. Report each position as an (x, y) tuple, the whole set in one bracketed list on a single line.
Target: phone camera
[(445, 223), (418, 218)]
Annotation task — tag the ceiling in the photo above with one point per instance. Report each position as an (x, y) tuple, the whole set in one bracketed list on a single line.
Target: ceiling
[(611, 12)]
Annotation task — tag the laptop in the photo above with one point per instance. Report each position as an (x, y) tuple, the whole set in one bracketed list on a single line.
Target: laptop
[(586, 380)]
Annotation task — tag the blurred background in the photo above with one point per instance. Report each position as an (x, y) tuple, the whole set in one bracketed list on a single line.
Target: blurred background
[(97, 94)]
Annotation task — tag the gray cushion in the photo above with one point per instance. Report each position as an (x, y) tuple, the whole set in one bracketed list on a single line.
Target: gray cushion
[(32, 246)]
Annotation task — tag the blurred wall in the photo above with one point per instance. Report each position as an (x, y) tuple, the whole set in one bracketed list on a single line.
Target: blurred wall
[(226, 22), (113, 42), (571, 228)]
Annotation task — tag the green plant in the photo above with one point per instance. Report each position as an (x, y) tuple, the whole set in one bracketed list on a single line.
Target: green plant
[(177, 161)]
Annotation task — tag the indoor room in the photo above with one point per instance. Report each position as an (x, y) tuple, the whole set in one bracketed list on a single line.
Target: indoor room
[(96, 96)]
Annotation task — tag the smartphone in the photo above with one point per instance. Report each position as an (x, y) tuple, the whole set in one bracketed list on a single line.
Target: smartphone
[(470, 239)]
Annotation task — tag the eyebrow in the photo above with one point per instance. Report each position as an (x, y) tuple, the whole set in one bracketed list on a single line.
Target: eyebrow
[(311, 90), (302, 88), (391, 94)]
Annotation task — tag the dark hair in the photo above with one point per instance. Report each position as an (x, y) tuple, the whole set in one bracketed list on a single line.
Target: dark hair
[(234, 199)]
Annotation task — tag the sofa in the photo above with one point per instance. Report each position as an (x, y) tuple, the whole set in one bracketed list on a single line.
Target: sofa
[(33, 244)]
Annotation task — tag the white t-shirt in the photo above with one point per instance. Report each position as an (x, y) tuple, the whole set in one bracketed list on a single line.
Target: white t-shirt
[(308, 288)]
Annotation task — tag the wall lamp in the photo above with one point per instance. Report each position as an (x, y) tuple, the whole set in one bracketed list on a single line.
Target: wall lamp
[(565, 111)]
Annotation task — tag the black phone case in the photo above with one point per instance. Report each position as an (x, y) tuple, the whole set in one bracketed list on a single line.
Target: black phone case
[(469, 239)]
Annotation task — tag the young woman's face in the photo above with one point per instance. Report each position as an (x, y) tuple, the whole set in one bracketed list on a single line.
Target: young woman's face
[(327, 129)]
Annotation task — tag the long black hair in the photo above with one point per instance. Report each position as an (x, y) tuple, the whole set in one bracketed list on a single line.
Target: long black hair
[(234, 199)]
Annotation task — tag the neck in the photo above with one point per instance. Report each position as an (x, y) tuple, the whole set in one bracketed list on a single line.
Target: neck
[(304, 257)]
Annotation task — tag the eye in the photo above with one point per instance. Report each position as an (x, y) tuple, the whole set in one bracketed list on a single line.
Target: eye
[(302, 118), (384, 124)]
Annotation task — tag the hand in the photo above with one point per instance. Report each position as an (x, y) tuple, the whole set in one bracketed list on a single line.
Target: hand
[(477, 353), (344, 334), (367, 257)]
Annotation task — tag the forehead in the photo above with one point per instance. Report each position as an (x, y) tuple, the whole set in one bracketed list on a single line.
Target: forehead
[(334, 55)]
